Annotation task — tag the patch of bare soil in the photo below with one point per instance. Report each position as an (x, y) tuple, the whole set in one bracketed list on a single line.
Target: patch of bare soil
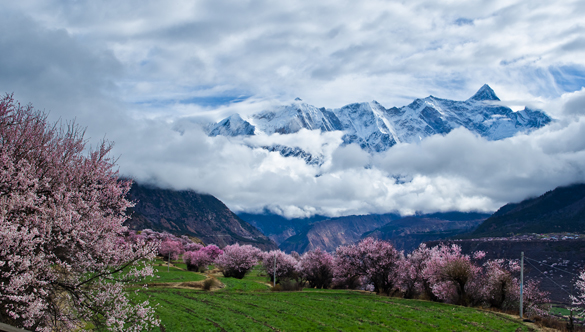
[(189, 284)]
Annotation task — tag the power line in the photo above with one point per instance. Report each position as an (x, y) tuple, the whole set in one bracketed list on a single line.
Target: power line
[(561, 287), (554, 267)]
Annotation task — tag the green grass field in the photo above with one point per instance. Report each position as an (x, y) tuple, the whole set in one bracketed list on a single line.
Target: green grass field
[(247, 305), (162, 273)]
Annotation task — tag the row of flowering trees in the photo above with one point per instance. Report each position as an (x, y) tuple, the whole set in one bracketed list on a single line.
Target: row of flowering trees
[(442, 273)]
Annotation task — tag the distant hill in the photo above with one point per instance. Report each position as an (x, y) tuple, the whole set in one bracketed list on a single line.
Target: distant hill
[(193, 214), (559, 210), (279, 228), (331, 233), (408, 232)]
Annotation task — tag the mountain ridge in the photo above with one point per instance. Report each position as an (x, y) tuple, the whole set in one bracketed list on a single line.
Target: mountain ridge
[(559, 210), (376, 129), (185, 212)]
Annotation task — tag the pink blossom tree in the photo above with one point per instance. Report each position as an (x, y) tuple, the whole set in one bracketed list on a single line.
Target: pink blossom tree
[(579, 299), (285, 265), (498, 281), (192, 246), (411, 277), (535, 300), (237, 260), (62, 263), (376, 260), (200, 259), (449, 272), (197, 260), (316, 267), (212, 251), (170, 249)]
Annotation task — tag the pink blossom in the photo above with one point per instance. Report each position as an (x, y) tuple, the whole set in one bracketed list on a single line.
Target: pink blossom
[(316, 267), (237, 260), (285, 265), (449, 272), (170, 249), (61, 214), (192, 246), (376, 260), (212, 251), (200, 259), (197, 260), (411, 274)]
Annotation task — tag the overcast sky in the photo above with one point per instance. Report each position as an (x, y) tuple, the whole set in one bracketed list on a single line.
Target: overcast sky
[(144, 74)]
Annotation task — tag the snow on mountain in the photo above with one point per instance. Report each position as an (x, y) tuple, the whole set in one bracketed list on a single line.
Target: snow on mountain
[(292, 118), (231, 126), (376, 129)]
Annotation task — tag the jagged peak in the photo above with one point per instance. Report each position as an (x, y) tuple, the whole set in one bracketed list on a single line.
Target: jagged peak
[(298, 99), (235, 116), (485, 93)]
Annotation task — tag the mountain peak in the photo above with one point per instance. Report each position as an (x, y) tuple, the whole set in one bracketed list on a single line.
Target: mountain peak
[(298, 99), (485, 93)]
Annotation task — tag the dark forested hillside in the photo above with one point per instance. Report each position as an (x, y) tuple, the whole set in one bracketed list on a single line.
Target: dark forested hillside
[(559, 210), (193, 214)]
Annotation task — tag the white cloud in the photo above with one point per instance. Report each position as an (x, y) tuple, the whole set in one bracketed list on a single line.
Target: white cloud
[(459, 171), (145, 73)]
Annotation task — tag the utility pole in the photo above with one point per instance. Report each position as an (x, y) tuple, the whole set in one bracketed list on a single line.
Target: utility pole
[(169, 263), (521, 282), (275, 269)]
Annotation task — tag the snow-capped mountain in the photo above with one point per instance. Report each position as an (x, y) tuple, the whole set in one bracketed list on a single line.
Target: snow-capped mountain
[(375, 128)]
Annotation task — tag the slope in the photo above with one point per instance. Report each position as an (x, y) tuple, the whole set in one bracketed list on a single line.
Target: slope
[(190, 213), (559, 210)]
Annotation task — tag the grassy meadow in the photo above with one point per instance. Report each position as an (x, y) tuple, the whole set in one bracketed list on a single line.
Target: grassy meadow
[(249, 305)]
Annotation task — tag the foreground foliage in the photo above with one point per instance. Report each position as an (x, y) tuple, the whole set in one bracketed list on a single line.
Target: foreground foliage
[(63, 262)]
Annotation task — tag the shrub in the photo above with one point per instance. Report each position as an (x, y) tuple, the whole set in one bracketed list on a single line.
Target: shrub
[(209, 283), (287, 285)]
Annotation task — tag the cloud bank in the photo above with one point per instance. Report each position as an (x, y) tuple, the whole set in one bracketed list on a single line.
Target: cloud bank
[(459, 171), (145, 74)]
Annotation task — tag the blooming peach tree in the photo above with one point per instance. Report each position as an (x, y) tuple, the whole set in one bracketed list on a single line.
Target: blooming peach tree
[(63, 264), (316, 267), (412, 280), (450, 272), (170, 249), (200, 259), (237, 260), (277, 262), (376, 260)]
